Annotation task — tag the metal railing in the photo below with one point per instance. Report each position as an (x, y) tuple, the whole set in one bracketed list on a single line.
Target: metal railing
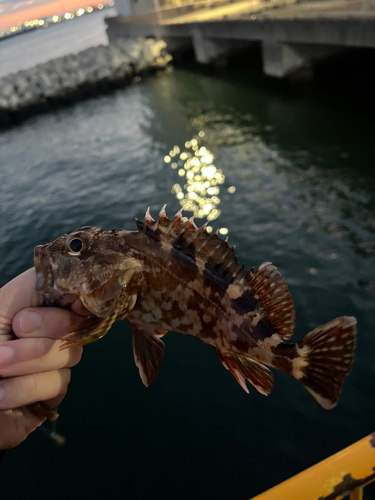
[(345, 473)]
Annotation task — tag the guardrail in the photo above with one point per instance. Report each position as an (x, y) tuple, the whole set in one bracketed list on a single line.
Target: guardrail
[(345, 473)]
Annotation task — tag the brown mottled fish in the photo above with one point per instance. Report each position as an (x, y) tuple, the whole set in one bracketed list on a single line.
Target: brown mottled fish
[(171, 276)]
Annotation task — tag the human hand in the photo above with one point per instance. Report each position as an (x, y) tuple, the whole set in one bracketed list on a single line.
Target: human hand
[(32, 368)]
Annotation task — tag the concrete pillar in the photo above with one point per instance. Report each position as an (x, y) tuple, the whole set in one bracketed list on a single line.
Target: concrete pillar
[(124, 7), (213, 50), (283, 59), (207, 50)]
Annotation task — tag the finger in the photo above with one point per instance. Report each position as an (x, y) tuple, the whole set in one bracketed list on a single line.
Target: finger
[(50, 322), (78, 308), (52, 403), (27, 389), (24, 356), (16, 425), (17, 295)]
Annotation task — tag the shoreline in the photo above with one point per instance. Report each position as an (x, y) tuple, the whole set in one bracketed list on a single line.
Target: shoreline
[(78, 76)]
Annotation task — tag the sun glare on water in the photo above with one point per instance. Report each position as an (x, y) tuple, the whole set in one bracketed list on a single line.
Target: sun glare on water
[(203, 181)]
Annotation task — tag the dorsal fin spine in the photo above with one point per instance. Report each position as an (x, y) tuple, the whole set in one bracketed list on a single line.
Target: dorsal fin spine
[(162, 212), (139, 224), (192, 236), (183, 228), (215, 247), (191, 220), (203, 243), (168, 228), (187, 238), (148, 218), (174, 222), (225, 254)]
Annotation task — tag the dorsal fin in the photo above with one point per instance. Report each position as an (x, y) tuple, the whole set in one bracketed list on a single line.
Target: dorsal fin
[(271, 291), (194, 242), (265, 284)]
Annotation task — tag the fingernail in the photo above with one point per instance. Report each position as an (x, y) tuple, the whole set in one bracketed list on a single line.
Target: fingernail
[(2, 393), (6, 356), (30, 321)]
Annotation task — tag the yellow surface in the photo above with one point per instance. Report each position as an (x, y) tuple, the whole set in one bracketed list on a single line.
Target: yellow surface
[(358, 460), (357, 495)]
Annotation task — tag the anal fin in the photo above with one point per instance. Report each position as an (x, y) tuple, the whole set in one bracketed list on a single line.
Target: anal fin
[(243, 368), (148, 351)]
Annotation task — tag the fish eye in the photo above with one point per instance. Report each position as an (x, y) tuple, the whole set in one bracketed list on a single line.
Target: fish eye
[(76, 245)]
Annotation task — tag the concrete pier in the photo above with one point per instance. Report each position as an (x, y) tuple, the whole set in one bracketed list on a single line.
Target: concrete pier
[(292, 38), (283, 59)]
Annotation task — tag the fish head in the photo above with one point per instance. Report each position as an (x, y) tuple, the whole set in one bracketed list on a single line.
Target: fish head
[(89, 263)]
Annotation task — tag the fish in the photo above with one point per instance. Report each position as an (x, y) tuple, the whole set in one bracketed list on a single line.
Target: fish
[(171, 276)]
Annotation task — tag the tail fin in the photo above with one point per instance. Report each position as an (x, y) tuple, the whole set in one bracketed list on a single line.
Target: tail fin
[(324, 358)]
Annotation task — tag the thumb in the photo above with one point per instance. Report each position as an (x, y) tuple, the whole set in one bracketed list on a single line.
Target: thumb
[(16, 295)]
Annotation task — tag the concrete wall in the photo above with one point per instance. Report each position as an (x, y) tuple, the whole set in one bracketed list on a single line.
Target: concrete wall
[(136, 7), (359, 32), (288, 45)]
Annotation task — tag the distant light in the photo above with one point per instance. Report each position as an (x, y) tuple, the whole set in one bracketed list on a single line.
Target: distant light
[(89, 9), (26, 23), (231, 189), (201, 133), (71, 16), (100, 6), (13, 29), (67, 15), (55, 19), (41, 22), (111, 3), (80, 12), (223, 230), (167, 159)]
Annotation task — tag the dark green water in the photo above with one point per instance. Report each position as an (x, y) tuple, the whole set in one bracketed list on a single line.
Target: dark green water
[(305, 181)]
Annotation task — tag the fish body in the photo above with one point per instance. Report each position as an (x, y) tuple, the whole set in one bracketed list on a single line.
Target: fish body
[(172, 276)]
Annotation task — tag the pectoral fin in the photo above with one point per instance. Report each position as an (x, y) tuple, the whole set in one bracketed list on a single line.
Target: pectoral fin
[(243, 369), (92, 329), (148, 351), (87, 331)]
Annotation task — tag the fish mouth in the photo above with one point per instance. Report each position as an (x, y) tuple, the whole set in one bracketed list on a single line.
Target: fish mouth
[(46, 279)]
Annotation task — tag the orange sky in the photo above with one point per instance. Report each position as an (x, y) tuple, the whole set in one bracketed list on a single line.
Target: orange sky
[(57, 7)]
